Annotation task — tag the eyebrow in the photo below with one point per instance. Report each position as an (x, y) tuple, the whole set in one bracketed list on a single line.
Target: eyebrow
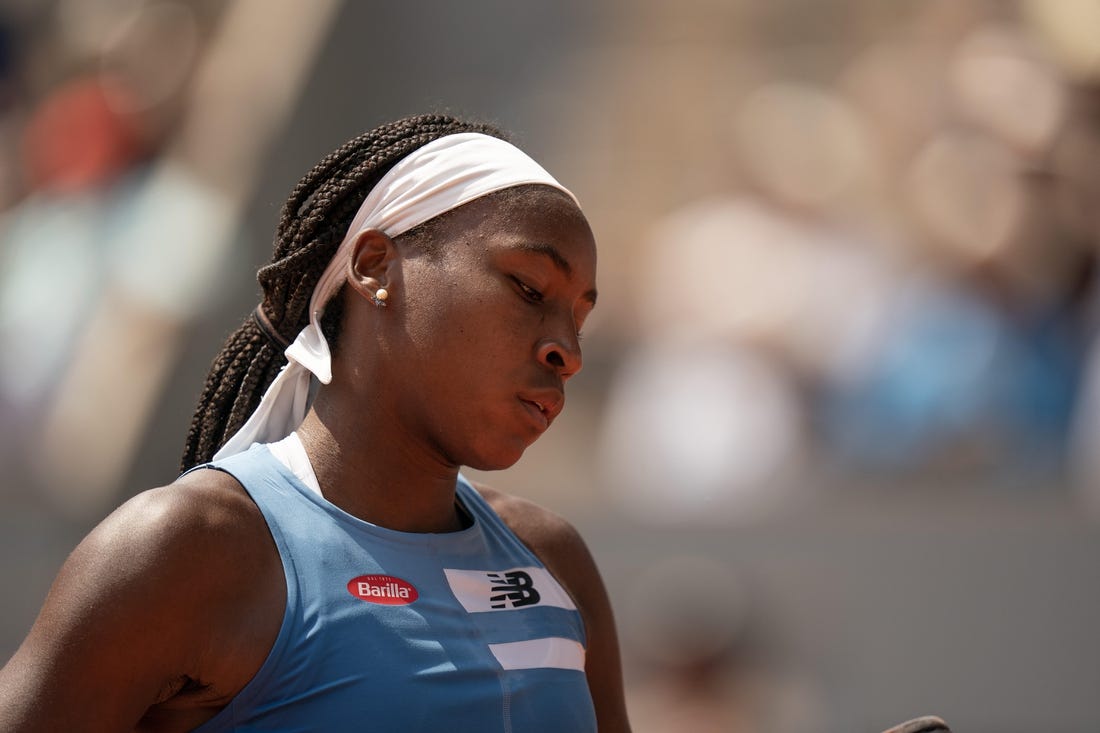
[(562, 264)]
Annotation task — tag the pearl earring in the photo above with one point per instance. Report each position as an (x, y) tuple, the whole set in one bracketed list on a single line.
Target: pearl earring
[(380, 296)]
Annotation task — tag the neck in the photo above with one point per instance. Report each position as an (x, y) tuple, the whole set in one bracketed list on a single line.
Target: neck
[(370, 472)]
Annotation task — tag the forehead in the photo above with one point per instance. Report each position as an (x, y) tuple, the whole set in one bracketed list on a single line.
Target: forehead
[(533, 219)]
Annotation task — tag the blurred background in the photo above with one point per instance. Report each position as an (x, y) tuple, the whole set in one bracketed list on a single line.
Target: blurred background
[(835, 446)]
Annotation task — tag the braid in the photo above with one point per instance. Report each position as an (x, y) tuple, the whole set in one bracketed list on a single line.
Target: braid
[(312, 224)]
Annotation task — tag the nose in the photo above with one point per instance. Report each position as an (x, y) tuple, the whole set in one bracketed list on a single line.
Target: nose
[(561, 354)]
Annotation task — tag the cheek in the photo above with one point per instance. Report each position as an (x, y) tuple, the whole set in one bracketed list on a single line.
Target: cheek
[(444, 325), (465, 317), (429, 309)]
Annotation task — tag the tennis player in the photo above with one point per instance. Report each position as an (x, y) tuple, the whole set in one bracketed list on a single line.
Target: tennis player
[(321, 564)]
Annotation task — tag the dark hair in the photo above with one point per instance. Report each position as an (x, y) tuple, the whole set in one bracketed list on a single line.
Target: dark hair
[(312, 224)]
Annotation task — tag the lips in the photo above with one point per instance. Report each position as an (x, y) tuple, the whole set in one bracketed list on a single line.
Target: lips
[(543, 405)]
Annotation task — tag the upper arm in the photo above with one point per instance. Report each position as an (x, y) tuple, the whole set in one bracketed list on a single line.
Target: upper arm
[(126, 617), (562, 549)]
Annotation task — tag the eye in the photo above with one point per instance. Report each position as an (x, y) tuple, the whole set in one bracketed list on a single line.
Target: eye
[(528, 292)]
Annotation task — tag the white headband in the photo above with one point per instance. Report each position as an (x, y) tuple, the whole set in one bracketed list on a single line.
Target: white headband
[(440, 176)]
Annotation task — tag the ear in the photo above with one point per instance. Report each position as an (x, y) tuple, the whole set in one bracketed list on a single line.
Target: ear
[(372, 257)]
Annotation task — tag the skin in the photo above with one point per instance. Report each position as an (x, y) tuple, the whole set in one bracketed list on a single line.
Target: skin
[(131, 638)]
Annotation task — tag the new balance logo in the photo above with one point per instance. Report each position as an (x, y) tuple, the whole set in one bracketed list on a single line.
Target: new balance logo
[(506, 590), (514, 587)]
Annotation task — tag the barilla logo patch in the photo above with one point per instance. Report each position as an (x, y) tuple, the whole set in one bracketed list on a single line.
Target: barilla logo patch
[(384, 590)]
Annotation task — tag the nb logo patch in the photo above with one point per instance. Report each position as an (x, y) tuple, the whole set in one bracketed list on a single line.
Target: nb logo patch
[(507, 589), (514, 587)]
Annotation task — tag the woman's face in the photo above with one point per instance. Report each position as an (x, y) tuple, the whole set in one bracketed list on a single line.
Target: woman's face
[(482, 331)]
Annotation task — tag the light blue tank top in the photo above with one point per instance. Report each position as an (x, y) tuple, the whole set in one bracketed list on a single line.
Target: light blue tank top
[(397, 631)]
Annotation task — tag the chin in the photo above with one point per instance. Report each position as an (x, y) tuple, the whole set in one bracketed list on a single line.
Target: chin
[(497, 458), (492, 464)]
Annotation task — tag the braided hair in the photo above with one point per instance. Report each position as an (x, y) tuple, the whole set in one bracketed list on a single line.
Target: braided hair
[(313, 222)]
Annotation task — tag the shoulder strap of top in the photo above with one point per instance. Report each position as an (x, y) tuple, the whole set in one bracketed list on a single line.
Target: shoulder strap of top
[(492, 524)]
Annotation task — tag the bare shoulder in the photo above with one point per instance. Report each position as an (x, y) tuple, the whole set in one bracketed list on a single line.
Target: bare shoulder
[(169, 551), (208, 507), (161, 596), (200, 517), (197, 521), (549, 535)]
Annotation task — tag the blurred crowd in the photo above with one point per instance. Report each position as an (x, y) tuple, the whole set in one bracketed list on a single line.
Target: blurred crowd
[(130, 136), (896, 288), (93, 94), (866, 259)]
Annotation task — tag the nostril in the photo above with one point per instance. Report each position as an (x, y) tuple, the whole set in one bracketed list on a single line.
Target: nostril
[(555, 359)]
